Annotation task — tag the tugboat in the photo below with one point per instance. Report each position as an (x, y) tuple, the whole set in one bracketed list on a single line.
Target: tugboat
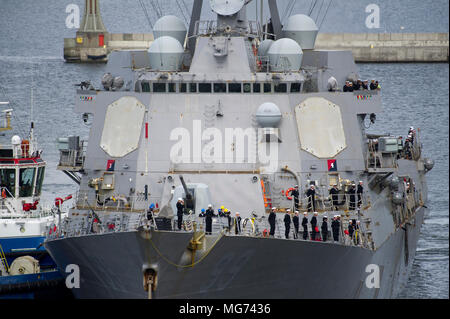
[(225, 114), (25, 265)]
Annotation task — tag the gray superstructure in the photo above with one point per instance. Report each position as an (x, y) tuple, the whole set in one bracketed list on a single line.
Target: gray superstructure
[(220, 124)]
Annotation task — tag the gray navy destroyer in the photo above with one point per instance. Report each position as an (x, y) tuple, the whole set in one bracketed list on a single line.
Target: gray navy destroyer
[(233, 113)]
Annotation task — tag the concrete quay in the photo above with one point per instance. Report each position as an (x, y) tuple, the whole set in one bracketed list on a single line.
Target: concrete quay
[(366, 47), (91, 49), (389, 47)]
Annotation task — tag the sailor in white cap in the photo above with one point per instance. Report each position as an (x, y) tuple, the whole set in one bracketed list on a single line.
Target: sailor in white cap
[(360, 191), (305, 225), (352, 196), (296, 221), (295, 193), (335, 227), (365, 85), (180, 209), (272, 220), (210, 210), (311, 194), (237, 223), (287, 223), (346, 87)]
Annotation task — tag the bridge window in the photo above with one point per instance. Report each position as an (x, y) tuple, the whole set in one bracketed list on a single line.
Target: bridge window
[(26, 182), (204, 87), (256, 87), (145, 87), (235, 88), (183, 87), (267, 88), (193, 87), (159, 87), (172, 87), (8, 181), (220, 88), (295, 87), (280, 88), (39, 180), (247, 88)]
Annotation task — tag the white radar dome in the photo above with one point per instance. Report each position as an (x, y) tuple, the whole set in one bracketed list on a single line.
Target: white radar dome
[(166, 54), (285, 55), (268, 115), (171, 26), (16, 140), (302, 29), (264, 47)]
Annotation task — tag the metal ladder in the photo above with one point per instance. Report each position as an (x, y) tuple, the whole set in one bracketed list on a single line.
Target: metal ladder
[(4, 268)]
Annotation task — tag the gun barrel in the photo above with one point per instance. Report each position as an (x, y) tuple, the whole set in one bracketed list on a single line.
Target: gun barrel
[(188, 194)]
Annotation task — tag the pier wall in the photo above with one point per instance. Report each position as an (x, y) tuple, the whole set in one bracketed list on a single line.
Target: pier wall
[(366, 47), (389, 47)]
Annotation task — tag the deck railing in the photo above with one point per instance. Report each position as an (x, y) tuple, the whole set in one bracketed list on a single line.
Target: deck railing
[(258, 227)]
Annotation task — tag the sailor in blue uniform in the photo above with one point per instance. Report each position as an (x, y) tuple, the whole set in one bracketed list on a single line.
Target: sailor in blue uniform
[(287, 223), (305, 225), (180, 209), (324, 228), (272, 219)]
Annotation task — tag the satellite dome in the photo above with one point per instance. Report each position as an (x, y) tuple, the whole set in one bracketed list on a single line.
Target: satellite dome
[(171, 26), (285, 55), (16, 140), (166, 54), (268, 115), (302, 29), (264, 47), (226, 7)]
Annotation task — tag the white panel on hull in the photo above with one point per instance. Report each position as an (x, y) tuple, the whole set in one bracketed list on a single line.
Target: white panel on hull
[(320, 127), (123, 125)]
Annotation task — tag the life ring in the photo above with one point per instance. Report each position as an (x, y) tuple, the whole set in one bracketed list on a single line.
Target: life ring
[(58, 201), (287, 193)]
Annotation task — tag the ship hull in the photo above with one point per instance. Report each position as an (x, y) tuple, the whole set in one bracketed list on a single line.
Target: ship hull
[(111, 266)]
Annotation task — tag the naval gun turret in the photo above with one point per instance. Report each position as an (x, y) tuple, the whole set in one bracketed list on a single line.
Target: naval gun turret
[(189, 200)]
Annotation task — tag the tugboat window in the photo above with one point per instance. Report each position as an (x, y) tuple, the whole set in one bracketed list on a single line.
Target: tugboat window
[(145, 87), (193, 87), (280, 88), (172, 88), (40, 179), (220, 88), (235, 88), (267, 88), (256, 87), (8, 180), (295, 87), (204, 87), (26, 181), (247, 88), (159, 87)]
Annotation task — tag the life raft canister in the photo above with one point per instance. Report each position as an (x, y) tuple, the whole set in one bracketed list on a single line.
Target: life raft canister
[(25, 146), (287, 193)]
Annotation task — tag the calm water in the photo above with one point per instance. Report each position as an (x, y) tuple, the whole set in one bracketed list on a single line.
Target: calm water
[(31, 46)]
